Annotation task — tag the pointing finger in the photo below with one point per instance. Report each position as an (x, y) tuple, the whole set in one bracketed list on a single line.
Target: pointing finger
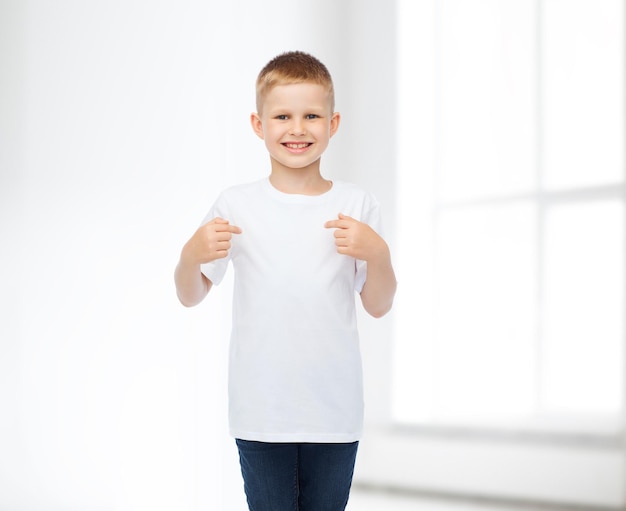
[(225, 226), (234, 229), (337, 224), (340, 223)]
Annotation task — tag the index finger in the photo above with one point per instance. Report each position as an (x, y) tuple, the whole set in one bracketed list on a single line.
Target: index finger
[(229, 228), (222, 225), (336, 224)]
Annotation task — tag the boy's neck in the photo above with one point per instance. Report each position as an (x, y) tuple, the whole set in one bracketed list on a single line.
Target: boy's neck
[(305, 181)]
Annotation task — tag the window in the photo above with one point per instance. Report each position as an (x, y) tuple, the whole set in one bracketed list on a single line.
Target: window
[(511, 196)]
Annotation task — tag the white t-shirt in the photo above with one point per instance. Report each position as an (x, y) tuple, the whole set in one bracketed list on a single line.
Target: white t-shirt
[(295, 364)]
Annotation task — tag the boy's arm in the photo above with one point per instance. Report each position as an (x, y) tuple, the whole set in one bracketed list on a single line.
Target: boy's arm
[(380, 285), (359, 240), (209, 242), (191, 285)]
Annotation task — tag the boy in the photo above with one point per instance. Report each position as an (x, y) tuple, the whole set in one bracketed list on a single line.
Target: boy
[(300, 246)]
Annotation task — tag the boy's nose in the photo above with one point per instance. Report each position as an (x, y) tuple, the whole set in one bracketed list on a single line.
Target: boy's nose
[(297, 128)]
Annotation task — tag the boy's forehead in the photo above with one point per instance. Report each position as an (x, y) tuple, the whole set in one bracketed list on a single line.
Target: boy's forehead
[(304, 90), (306, 93)]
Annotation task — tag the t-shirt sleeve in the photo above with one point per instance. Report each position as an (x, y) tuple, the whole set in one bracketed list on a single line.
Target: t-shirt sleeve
[(215, 270), (371, 217)]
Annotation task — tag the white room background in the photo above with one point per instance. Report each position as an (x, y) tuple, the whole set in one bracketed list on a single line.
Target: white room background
[(120, 121), (509, 362)]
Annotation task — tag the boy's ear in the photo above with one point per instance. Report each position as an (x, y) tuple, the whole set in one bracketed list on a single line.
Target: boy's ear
[(335, 119), (257, 125)]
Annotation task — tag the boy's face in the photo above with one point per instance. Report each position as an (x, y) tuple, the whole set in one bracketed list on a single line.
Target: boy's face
[(296, 123)]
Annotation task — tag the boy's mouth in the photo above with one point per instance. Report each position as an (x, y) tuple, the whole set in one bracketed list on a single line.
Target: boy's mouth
[(296, 145)]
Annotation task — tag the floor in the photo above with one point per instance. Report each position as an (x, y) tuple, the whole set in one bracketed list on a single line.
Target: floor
[(368, 500)]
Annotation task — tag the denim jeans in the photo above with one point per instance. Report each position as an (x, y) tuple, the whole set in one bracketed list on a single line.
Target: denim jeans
[(297, 476)]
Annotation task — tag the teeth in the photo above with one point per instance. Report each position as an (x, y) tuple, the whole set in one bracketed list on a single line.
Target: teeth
[(297, 146)]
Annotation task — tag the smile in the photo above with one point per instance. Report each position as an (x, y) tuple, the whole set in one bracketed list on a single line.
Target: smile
[(299, 145)]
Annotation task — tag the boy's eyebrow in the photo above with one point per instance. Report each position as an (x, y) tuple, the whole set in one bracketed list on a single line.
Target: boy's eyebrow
[(311, 108)]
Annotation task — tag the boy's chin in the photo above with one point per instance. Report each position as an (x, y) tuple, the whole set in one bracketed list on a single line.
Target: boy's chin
[(295, 165)]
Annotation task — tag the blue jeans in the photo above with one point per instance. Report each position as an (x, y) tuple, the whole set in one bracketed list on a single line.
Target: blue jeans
[(297, 476)]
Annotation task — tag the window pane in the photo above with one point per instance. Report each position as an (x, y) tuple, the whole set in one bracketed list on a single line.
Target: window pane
[(583, 86), (486, 315), (584, 306), (503, 311), (487, 101)]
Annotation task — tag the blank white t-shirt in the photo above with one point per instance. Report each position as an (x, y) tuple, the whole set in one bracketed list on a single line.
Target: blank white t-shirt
[(294, 361)]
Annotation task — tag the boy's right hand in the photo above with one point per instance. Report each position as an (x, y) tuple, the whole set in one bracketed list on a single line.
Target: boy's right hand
[(211, 241)]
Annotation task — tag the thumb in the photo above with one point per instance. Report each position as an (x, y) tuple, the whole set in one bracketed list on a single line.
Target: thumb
[(345, 217)]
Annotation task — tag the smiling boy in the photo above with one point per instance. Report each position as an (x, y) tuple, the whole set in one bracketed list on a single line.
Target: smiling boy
[(300, 246)]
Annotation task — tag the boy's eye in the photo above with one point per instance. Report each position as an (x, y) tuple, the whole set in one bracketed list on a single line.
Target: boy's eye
[(284, 117)]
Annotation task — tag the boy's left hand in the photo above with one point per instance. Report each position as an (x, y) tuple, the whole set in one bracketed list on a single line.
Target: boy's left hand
[(357, 239)]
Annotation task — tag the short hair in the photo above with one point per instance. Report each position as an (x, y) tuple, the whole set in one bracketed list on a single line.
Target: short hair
[(293, 67)]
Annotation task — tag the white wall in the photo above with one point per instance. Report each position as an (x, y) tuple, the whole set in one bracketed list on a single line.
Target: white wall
[(120, 121)]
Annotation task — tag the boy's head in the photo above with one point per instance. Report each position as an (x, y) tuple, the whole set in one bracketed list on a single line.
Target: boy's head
[(293, 67)]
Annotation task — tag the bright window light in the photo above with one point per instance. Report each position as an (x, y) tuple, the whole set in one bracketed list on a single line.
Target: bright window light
[(511, 198)]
